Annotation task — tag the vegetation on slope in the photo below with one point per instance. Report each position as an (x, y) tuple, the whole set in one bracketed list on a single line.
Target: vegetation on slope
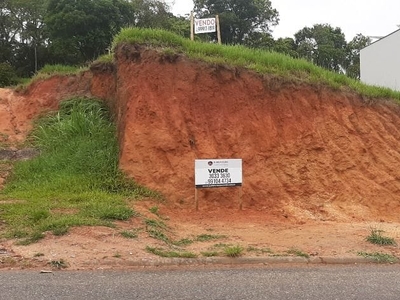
[(263, 62), (75, 181)]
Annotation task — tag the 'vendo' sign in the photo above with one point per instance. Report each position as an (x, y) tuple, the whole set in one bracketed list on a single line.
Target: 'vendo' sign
[(204, 25), (217, 172)]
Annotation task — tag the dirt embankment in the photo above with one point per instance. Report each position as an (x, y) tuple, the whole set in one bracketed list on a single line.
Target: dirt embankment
[(309, 152)]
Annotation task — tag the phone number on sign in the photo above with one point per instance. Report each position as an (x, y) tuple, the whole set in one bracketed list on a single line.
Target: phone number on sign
[(222, 175), (219, 180)]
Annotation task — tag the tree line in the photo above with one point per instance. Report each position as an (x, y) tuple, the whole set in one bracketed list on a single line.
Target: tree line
[(74, 32)]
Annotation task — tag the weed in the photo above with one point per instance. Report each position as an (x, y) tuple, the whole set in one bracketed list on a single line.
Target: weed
[(130, 234), (35, 237), (379, 257), (155, 223), (233, 251), (154, 210), (183, 242), (298, 253), (377, 238), (222, 245), (158, 235), (259, 250), (209, 237), (117, 255), (59, 231), (58, 264), (39, 254), (166, 253), (209, 253)]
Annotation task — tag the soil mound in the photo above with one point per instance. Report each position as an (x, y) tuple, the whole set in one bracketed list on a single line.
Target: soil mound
[(309, 152)]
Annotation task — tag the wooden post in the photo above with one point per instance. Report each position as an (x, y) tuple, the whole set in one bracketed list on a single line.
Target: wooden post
[(240, 199), (196, 200), (218, 29), (191, 26)]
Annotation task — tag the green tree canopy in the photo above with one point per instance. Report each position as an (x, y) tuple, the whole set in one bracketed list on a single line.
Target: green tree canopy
[(23, 33), (239, 18), (353, 55), (84, 28), (323, 45)]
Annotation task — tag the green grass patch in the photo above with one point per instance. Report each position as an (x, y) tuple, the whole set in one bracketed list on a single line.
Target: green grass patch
[(264, 62), (130, 234), (105, 59), (183, 242), (298, 252), (169, 253), (379, 257), (75, 181), (259, 250), (233, 251), (377, 238), (209, 237), (49, 71), (209, 253)]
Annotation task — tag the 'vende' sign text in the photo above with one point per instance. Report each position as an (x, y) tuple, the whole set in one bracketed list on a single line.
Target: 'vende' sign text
[(204, 25), (218, 172)]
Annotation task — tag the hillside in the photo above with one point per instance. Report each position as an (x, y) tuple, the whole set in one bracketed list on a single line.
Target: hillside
[(309, 151)]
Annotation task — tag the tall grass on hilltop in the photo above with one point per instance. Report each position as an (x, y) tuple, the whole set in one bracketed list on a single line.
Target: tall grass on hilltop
[(264, 62), (75, 181)]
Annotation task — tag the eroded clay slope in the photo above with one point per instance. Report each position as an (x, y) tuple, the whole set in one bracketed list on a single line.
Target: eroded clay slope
[(309, 152), (18, 109)]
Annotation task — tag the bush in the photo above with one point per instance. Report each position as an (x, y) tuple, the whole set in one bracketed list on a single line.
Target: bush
[(7, 75)]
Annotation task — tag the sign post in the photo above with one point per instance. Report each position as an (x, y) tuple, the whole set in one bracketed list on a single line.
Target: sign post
[(204, 26), (212, 173)]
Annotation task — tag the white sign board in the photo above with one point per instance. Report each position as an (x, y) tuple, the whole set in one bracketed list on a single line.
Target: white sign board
[(217, 172), (205, 25)]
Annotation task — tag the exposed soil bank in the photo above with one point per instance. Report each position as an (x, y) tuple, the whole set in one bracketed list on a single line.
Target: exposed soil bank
[(309, 152)]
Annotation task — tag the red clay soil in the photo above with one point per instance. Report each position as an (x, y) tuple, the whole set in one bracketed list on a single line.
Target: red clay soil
[(314, 158)]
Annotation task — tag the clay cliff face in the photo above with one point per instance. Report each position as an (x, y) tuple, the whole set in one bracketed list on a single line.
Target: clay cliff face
[(308, 152)]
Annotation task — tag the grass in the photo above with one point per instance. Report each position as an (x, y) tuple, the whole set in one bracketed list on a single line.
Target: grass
[(208, 237), (58, 264), (233, 251), (169, 253), (379, 257), (74, 182), (298, 252), (263, 62), (51, 70), (209, 253), (130, 234), (377, 238), (259, 250)]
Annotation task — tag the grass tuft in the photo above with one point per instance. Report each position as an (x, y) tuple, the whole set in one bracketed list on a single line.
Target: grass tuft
[(233, 251), (379, 257), (298, 253), (377, 238), (168, 253)]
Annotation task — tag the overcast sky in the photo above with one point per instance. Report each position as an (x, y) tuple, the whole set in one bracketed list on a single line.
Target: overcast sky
[(371, 18)]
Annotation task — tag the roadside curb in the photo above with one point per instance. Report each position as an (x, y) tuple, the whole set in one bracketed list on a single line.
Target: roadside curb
[(158, 262)]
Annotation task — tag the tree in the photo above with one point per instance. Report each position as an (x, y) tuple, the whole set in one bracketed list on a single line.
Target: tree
[(83, 29), (353, 55), (239, 18), (23, 34), (323, 45), (286, 46)]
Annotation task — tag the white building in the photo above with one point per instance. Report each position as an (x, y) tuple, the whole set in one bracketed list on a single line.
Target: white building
[(380, 62)]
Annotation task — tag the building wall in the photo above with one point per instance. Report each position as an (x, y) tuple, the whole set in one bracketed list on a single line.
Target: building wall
[(380, 62)]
